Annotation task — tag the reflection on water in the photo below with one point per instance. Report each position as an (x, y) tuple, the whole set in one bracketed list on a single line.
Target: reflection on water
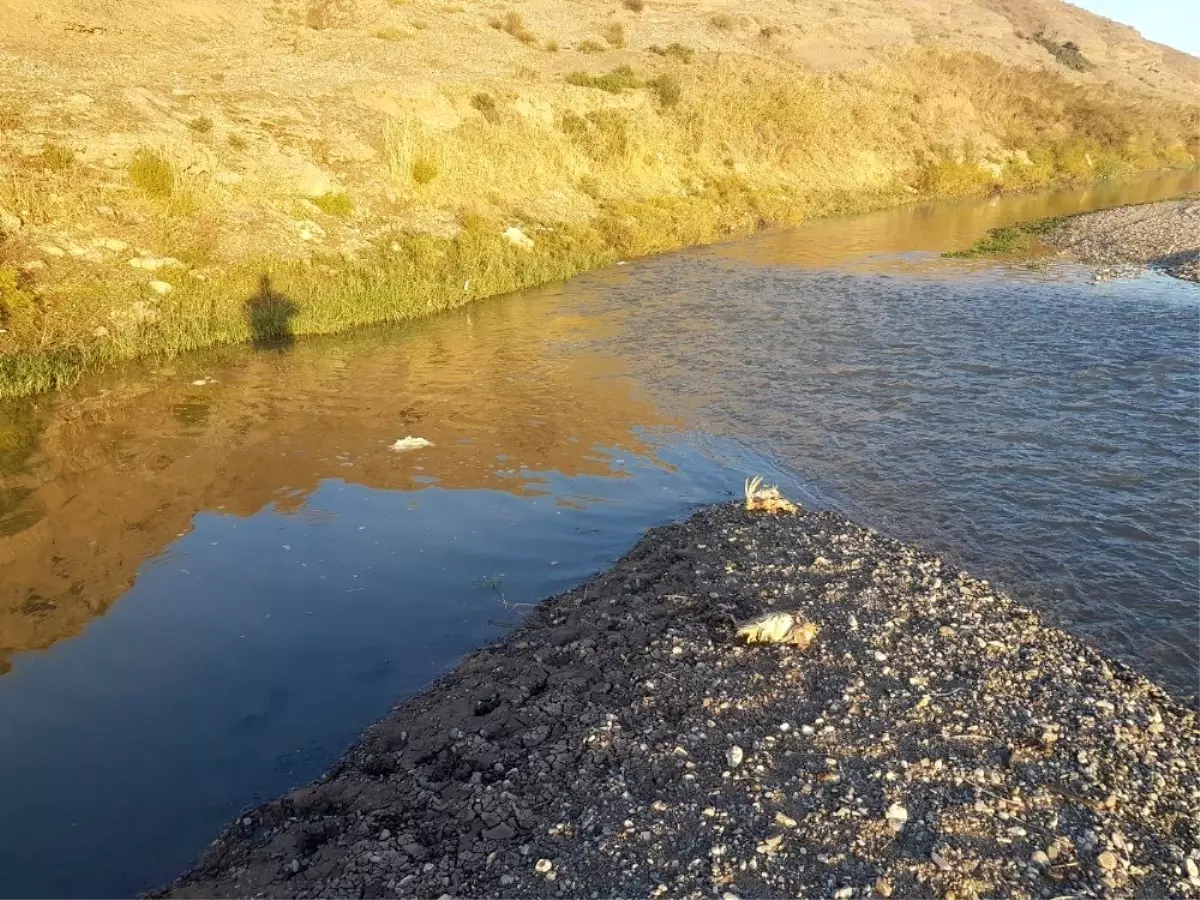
[(873, 241), (216, 573)]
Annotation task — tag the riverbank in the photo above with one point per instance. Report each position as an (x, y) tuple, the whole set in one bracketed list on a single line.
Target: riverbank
[(1163, 236), (389, 160), (933, 739)]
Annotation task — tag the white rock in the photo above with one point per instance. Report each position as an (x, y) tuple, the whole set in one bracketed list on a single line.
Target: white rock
[(897, 817), (160, 287), (734, 756), (516, 236), (543, 866), (411, 443)]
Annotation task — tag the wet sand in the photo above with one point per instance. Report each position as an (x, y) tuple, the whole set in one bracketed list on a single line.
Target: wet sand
[(1164, 236), (935, 739)]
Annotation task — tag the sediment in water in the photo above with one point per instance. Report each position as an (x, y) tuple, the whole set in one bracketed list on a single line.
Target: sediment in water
[(933, 739)]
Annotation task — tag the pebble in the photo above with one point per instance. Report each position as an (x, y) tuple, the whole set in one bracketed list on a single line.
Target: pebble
[(543, 866), (734, 756), (1107, 860), (897, 817)]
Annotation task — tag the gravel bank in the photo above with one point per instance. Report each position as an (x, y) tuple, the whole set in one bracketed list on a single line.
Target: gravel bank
[(935, 739), (1162, 235)]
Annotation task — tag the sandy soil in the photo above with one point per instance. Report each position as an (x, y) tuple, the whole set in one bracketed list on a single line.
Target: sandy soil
[(935, 739)]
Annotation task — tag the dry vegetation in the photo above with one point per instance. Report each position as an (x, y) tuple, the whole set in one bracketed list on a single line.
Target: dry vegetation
[(376, 179)]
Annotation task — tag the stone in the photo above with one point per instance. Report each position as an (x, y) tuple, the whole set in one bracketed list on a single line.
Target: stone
[(734, 756), (784, 820), (519, 238), (543, 866), (1040, 858), (1193, 870), (502, 832), (897, 817), (506, 880), (1107, 860), (883, 887)]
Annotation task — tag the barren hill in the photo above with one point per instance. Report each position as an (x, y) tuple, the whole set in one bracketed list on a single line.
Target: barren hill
[(175, 173)]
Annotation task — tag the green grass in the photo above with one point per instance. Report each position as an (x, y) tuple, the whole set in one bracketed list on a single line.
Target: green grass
[(617, 81), (1010, 240), (335, 204)]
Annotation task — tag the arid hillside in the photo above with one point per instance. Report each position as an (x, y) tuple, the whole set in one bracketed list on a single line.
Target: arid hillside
[(178, 173)]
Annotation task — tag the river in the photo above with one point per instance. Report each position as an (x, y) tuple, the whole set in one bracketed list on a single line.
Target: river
[(216, 572)]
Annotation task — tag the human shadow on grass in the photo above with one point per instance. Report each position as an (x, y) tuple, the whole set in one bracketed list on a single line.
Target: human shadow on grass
[(269, 316)]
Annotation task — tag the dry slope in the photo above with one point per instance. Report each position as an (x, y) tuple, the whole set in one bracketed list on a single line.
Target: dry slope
[(175, 174)]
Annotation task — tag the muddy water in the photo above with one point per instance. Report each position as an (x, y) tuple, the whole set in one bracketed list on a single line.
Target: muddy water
[(214, 574)]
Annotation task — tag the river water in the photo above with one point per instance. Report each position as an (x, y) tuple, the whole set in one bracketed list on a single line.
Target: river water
[(216, 573)]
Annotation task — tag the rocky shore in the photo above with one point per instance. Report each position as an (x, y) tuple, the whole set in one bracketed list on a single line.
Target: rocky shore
[(928, 738), (1164, 236)]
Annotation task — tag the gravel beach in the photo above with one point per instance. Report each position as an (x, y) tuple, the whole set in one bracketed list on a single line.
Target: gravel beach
[(1163, 236), (933, 739)]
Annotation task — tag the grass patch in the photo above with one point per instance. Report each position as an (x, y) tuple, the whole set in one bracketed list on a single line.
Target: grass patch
[(617, 81), (675, 50), (614, 33), (201, 124), (769, 31), (723, 22), (551, 46), (389, 33), (634, 5), (666, 87), (486, 104), (424, 170), (512, 23), (56, 157), (237, 142), (590, 46), (1010, 240), (334, 204), (1067, 52), (152, 173)]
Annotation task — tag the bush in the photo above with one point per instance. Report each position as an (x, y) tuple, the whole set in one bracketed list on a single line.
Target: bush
[(551, 46), (1067, 53), (237, 142), (614, 33), (666, 86), (424, 170), (769, 31), (617, 81), (486, 104), (723, 22), (590, 46), (56, 157), (388, 33), (151, 173), (676, 50), (201, 124), (513, 24), (634, 5), (335, 204)]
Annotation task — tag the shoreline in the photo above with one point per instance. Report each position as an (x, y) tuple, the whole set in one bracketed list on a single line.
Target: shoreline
[(934, 739), (1162, 236)]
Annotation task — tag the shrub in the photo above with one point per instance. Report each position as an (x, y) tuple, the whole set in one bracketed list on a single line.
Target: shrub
[(388, 33), (1067, 53), (335, 204), (634, 5), (676, 50), (513, 24), (486, 104), (769, 31), (551, 46), (617, 81), (424, 170), (151, 173), (201, 124), (614, 33), (56, 157), (723, 22), (237, 142), (590, 46), (666, 86)]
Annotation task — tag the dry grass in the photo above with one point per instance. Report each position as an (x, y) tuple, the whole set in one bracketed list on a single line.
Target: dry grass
[(590, 46), (512, 23), (766, 499), (724, 149), (614, 33), (389, 33), (634, 5), (723, 22)]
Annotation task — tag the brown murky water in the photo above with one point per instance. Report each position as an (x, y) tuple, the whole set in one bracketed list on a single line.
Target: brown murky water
[(216, 572)]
